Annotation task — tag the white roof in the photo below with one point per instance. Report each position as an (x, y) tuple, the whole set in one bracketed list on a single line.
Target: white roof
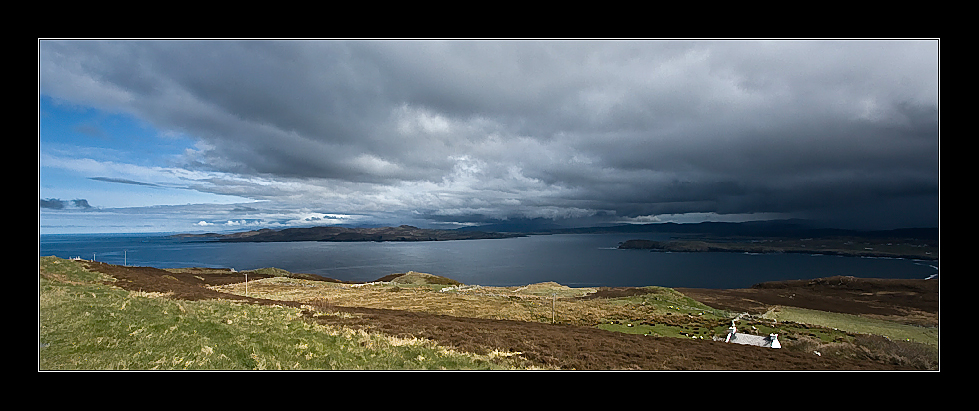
[(749, 339)]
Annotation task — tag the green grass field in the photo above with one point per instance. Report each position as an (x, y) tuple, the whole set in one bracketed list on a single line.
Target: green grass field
[(856, 324), (85, 325)]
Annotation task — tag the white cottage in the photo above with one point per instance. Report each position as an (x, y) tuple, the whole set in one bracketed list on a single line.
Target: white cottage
[(733, 336)]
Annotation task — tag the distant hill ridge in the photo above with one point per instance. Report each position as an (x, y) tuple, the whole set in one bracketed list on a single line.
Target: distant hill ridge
[(336, 233), (765, 228), (768, 228)]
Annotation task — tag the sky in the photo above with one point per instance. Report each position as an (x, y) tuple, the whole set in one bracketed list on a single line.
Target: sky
[(233, 135)]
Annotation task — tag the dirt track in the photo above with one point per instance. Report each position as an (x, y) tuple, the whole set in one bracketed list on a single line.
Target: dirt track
[(564, 346)]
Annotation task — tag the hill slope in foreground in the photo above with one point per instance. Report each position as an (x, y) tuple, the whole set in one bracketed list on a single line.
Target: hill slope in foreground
[(549, 326)]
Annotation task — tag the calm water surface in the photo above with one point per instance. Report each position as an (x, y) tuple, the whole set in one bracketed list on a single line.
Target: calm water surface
[(577, 260)]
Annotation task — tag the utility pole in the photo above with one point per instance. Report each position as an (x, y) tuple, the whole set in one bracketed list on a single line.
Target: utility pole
[(553, 297)]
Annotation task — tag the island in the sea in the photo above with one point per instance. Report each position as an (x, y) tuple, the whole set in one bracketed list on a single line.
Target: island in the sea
[(336, 233), (843, 246)]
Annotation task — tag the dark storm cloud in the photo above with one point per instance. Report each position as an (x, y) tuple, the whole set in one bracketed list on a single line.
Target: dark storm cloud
[(542, 129)]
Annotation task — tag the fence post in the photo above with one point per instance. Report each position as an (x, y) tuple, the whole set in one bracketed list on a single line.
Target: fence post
[(553, 297)]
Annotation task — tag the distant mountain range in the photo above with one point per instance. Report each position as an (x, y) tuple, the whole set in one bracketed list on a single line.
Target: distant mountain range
[(336, 233), (770, 228), (765, 228)]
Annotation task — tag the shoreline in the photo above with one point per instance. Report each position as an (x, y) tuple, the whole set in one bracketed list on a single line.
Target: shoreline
[(690, 246)]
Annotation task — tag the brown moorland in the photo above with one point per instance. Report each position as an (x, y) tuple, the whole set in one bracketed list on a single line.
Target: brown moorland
[(564, 346)]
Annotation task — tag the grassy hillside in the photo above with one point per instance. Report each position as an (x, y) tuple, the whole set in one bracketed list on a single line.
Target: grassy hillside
[(855, 324), (547, 302), (287, 321), (87, 325)]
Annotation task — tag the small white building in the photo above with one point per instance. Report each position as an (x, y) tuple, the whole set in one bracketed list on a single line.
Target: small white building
[(733, 336)]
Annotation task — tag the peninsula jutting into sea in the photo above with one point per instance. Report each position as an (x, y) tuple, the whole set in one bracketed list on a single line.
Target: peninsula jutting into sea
[(334, 233)]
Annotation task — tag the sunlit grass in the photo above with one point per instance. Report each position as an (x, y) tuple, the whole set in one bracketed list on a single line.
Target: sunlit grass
[(543, 302), (84, 325), (856, 324)]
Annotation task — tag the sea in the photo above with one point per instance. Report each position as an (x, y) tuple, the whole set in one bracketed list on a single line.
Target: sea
[(574, 260)]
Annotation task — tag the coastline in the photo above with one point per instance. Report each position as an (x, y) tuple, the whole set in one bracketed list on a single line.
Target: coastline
[(837, 249)]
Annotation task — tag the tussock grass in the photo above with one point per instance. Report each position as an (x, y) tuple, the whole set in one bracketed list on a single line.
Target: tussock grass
[(86, 325), (541, 302), (417, 278), (549, 289)]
